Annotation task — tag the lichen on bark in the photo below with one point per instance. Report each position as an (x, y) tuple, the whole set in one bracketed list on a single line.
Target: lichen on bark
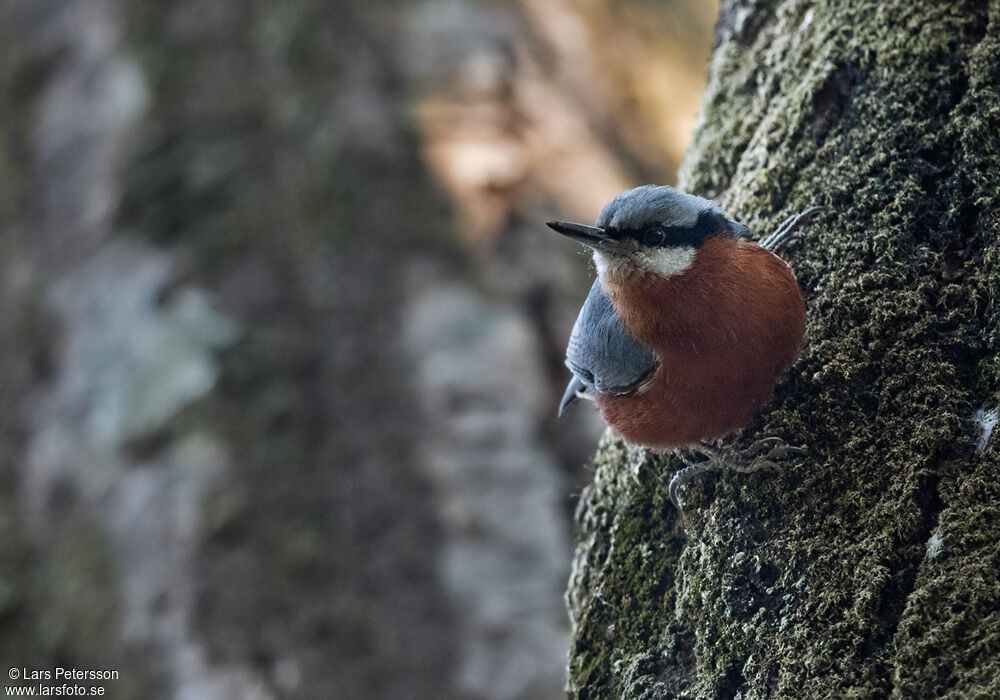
[(820, 582), (258, 157), (58, 604)]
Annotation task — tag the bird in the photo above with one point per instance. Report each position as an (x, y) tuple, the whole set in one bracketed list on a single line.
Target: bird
[(688, 326)]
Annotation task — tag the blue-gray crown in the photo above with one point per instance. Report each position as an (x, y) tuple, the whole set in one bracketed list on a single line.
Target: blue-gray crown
[(641, 207)]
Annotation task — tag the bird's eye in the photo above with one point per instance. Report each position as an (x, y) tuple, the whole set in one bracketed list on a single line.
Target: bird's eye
[(654, 238)]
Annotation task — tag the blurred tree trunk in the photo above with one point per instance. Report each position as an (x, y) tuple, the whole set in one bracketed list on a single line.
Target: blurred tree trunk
[(869, 568)]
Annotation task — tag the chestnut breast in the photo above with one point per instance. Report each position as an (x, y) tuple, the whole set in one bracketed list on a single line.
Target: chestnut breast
[(724, 331)]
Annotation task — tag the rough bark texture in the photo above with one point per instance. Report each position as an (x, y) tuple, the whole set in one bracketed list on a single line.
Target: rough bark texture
[(868, 568)]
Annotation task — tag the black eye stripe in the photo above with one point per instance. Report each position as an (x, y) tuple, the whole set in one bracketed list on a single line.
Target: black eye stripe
[(654, 238), (663, 235), (710, 223)]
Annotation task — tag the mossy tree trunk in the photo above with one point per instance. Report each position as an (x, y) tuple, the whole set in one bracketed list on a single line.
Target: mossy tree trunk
[(870, 567)]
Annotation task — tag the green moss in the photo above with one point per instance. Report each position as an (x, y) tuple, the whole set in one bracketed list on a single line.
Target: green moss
[(815, 583), (617, 612)]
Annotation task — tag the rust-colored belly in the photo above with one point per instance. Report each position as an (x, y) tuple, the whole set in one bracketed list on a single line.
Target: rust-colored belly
[(688, 403), (724, 332)]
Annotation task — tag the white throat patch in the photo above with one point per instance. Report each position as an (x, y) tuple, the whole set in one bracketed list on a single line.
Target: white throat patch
[(666, 262)]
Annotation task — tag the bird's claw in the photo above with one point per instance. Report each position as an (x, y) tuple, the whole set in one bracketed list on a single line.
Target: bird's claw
[(786, 233), (757, 465), (785, 451), (776, 449), (762, 454), (686, 474), (759, 446)]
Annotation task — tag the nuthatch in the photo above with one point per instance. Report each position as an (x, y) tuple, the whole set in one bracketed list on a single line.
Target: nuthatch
[(688, 325)]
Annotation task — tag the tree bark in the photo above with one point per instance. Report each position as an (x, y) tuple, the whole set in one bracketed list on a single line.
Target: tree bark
[(869, 567)]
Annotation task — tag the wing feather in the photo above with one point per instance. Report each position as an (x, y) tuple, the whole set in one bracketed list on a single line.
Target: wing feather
[(601, 353)]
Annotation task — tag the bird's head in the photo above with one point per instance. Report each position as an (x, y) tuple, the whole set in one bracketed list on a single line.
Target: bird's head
[(651, 229)]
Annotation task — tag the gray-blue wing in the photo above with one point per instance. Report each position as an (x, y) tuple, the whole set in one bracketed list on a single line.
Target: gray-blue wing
[(602, 356)]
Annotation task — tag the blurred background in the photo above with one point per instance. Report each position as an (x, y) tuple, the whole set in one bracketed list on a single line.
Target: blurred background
[(281, 331)]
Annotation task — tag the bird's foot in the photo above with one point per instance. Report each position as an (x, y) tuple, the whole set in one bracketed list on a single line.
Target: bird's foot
[(786, 234), (687, 474), (766, 453)]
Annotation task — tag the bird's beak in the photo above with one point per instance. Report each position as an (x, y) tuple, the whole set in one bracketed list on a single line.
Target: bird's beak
[(587, 235)]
